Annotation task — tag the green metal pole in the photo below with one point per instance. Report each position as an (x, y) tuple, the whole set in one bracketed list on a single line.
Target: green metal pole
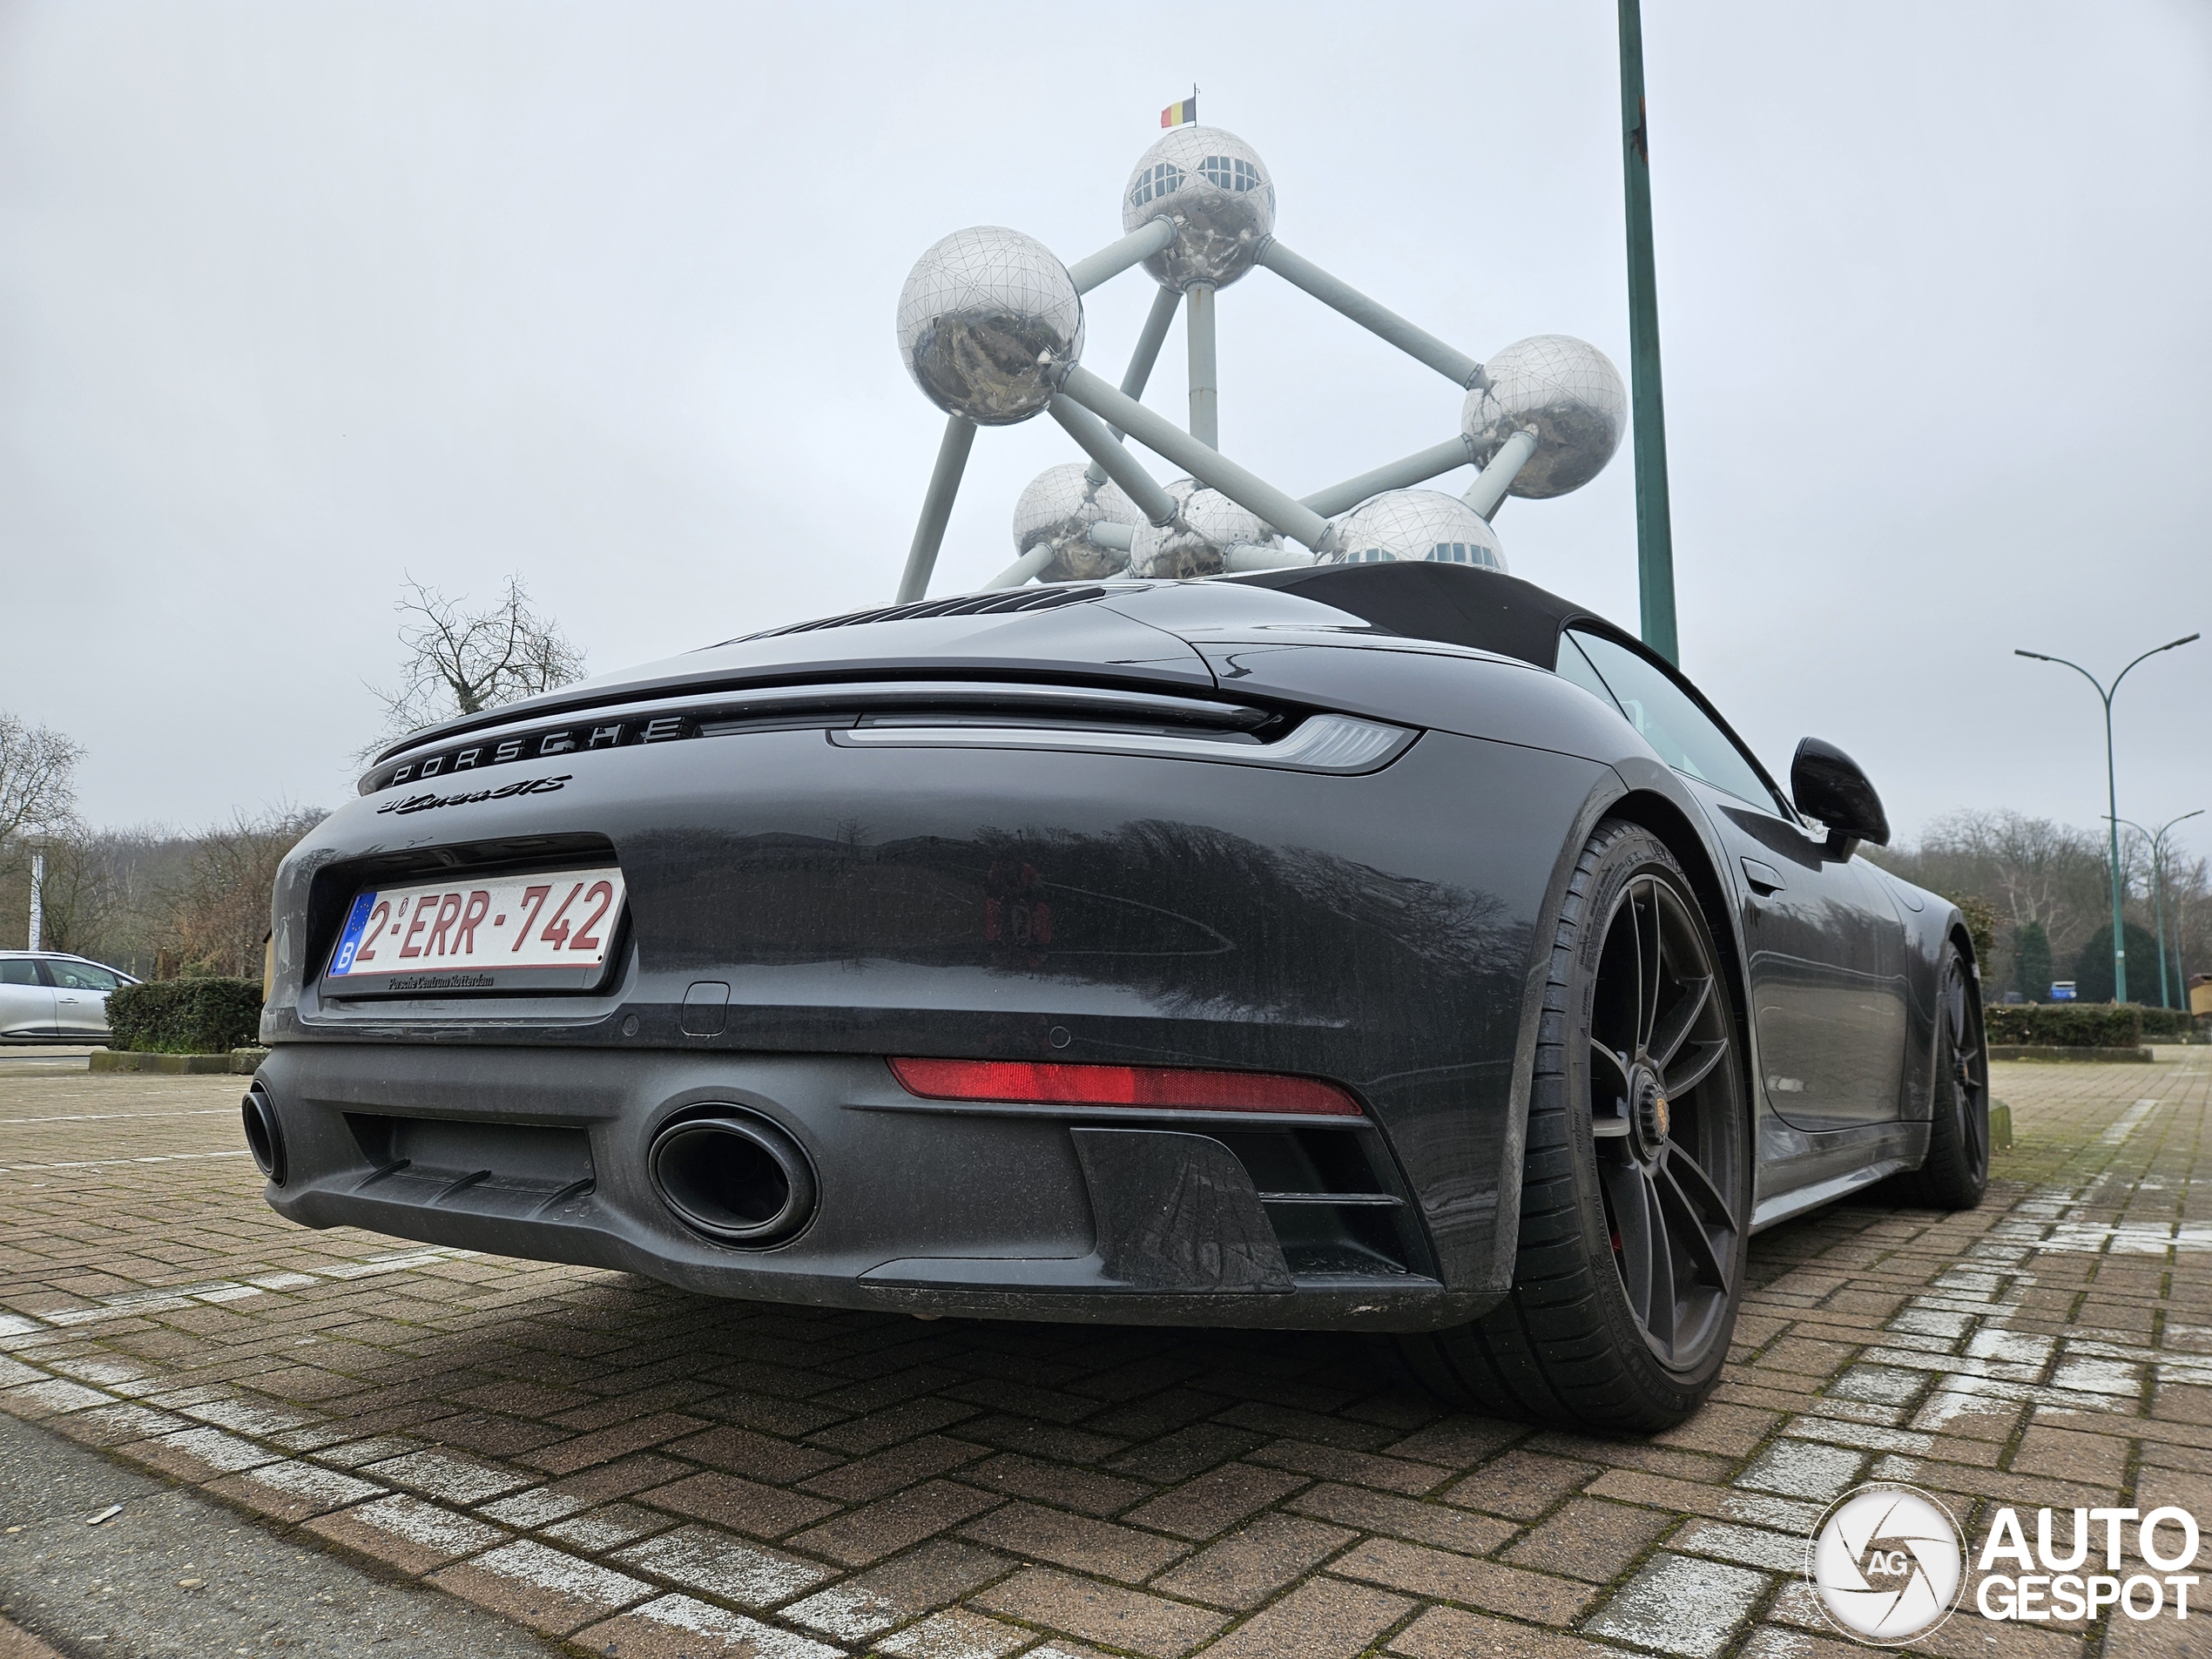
[(1654, 534), (2112, 790)]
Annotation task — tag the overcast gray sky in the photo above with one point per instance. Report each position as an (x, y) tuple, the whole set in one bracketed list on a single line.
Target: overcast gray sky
[(295, 301)]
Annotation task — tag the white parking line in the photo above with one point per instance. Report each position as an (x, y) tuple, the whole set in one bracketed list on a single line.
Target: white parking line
[(2127, 1124), (102, 1117)]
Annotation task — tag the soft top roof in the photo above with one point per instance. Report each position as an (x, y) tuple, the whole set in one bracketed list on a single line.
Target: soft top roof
[(1456, 605)]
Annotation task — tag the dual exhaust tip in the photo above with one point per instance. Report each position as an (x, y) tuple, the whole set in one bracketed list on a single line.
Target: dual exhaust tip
[(263, 1134), (726, 1173), (735, 1177)]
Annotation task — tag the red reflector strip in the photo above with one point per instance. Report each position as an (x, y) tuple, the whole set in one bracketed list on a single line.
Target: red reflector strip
[(1037, 1083)]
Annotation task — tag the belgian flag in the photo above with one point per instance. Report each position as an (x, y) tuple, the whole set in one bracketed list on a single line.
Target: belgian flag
[(1182, 114)]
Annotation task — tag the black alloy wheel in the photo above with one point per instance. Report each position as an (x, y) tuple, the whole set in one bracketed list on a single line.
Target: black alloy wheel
[(1956, 1171), (1635, 1190), (1667, 1146)]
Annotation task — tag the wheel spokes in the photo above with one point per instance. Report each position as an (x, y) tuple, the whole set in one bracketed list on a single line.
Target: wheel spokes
[(1649, 954), (1698, 1206), (1681, 1020), (1661, 1321), (1632, 1229), (1696, 1068)]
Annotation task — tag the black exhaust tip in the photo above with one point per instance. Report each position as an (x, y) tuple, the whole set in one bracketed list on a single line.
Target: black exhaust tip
[(735, 1177), (263, 1134)]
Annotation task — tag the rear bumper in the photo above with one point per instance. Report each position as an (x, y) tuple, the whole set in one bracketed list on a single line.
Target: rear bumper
[(986, 1211)]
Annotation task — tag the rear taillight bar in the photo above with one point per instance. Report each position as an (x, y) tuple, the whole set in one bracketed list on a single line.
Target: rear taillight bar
[(1177, 1088)]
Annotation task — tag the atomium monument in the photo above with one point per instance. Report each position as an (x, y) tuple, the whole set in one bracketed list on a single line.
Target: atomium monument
[(991, 328)]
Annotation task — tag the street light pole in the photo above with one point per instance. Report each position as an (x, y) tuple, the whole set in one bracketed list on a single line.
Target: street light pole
[(2112, 792), (1654, 533), (2157, 840)]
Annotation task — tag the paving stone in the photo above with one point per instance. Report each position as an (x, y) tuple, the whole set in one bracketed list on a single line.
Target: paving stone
[(1423, 1523), (920, 1581), (1253, 1562), (1446, 1577), (681, 1627), (956, 1634), (1679, 1606), (760, 1456), (870, 1534), (1454, 1633), (1102, 1613), (407, 1533), (730, 1569), (1355, 1468), (1207, 1505), (1520, 1484), (1589, 1539), (747, 1506), (1013, 1475), (1075, 1542), (1320, 1620), (547, 1590), (899, 1466)]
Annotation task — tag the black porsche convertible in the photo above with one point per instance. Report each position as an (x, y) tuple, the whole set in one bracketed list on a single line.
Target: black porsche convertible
[(1390, 948)]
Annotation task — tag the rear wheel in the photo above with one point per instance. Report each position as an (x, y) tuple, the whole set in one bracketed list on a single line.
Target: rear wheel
[(1956, 1173), (1635, 1186)]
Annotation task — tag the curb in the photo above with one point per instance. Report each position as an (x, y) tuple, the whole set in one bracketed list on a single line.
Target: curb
[(244, 1062), (2052, 1051)]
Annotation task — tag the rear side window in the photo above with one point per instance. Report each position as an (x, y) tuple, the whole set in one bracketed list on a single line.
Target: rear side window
[(17, 971), (1669, 721), (81, 976)]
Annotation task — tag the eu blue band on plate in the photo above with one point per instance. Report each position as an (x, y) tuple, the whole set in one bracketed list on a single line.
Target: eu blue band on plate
[(350, 940)]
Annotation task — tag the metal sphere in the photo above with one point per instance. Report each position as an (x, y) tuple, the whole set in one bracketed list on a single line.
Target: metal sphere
[(1055, 511), (1569, 392), (1207, 523), (1218, 192), (1412, 525), (984, 315)]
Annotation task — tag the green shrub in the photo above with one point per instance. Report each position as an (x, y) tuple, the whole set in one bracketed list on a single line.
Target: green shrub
[(184, 1015), (2066, 1025), (2167, 1025)]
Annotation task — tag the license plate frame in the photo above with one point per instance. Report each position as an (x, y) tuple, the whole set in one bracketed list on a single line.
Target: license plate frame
[(517, 931)]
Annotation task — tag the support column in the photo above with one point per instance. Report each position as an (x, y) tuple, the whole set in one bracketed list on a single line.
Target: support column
[(936, 508), (1205, 384)]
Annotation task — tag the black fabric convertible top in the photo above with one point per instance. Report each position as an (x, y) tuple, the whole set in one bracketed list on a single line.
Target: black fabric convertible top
[(1455, 604)]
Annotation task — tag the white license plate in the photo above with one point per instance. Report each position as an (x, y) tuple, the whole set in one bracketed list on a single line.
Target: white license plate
[(489, 933)]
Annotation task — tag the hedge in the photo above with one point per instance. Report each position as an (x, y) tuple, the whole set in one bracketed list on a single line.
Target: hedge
[(2066, 1025), (184, 1015), (2169, 1025)]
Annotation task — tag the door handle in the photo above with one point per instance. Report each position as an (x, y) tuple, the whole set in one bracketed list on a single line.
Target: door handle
[(1764, 878)]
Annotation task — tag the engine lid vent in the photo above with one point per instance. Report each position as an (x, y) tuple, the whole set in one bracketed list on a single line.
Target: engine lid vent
[(974, 605)]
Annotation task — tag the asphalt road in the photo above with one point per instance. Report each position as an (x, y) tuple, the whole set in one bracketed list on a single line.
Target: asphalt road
[(172, 1576)]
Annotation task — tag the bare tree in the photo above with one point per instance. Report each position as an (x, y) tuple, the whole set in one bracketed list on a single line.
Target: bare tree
[(461, 661), (37, 779), (218, 915)]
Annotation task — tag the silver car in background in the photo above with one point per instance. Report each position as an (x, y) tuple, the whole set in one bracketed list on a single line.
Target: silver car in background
[(50, 996)]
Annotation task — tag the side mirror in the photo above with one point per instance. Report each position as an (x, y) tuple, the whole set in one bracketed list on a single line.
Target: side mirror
[(1826, 784)]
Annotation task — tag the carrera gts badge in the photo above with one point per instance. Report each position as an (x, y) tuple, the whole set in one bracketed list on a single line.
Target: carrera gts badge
[(527, 786)]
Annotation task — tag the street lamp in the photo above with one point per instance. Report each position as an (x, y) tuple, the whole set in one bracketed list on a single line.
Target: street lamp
[(2112, 794), (2158, 889)]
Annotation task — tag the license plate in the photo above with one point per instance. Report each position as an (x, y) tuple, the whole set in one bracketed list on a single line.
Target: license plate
[(504, 933)]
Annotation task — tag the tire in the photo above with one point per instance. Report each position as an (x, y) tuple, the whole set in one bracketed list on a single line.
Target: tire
[(1955, 1173), (1636, 1181)]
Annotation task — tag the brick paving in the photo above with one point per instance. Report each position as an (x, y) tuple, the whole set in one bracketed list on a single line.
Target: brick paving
[(647, 1473)]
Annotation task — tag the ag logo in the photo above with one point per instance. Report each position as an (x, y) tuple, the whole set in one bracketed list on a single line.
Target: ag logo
[(1887, 1563)]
